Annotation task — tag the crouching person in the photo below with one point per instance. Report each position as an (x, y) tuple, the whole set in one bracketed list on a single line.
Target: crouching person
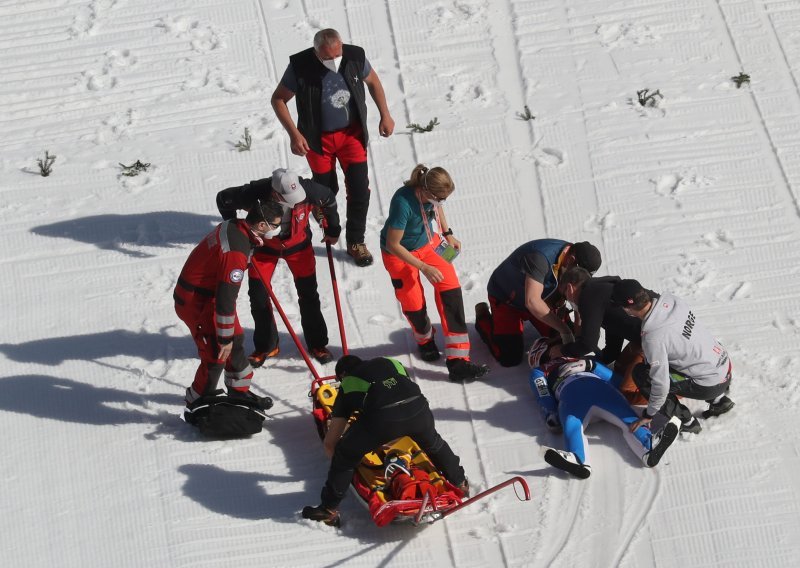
[(682, 357), (390, 406), (574, 392), (205, 300)]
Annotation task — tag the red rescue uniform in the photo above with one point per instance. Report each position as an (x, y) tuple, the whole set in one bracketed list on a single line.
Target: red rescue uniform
[(205, 300)]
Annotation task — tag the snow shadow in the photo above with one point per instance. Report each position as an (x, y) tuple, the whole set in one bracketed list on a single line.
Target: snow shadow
[(93, 346), (243, 495), (67, 400), (504, 415), (240, 494), (119, 232)]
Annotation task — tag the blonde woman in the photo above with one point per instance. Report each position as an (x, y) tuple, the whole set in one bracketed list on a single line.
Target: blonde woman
[(410, 247)]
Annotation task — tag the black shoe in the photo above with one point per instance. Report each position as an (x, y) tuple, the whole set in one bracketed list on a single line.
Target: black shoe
[(263, 402), (258, 358), (722, 406), (661, 441), (321, 514), (428, 351), (321, 354), (568, 462), (692, 426), (464, 370)]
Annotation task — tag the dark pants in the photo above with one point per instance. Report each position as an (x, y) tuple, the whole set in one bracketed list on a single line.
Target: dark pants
[(365, 436), (684, 387), (303, 268)]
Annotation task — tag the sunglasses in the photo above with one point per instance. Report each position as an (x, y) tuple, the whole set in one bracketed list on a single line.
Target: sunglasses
[(273, 225), (436, 198)]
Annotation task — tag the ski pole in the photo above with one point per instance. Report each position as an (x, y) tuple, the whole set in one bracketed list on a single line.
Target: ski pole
[(336, 299), (288, 325)]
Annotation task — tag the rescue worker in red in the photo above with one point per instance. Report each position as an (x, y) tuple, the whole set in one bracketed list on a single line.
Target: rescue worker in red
[(410, 247), (205, 300), (524, 287), (327, 82), (390, 405), (292, 242)]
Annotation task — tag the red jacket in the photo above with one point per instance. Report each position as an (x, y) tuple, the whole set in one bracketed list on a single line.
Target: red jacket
[(215, 269)]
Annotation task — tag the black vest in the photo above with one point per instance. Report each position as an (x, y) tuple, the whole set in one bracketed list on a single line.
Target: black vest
[(308, 98)]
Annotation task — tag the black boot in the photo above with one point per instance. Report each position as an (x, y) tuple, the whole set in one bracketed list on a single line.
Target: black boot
[(428, 351), (719, 407), (464, 370), (263, 402), (321, 514)]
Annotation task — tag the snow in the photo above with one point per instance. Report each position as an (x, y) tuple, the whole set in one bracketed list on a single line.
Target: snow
[(698, 195)]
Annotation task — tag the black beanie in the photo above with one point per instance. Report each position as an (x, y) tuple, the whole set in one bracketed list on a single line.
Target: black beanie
[(346, 364), (587, 256)]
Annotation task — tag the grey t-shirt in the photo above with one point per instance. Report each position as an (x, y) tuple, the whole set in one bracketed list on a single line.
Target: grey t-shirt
[(338, 106)]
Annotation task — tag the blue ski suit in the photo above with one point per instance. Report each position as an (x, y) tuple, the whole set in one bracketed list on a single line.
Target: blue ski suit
[(576, 400)]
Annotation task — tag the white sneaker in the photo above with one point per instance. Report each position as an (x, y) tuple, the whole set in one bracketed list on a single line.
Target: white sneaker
[(566, 461), (661, 441)]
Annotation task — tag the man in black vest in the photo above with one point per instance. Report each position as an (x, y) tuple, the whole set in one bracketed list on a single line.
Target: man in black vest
[(328, 81)]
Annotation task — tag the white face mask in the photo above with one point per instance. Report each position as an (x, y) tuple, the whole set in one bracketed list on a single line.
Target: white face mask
[(332, 64), (272, 232)]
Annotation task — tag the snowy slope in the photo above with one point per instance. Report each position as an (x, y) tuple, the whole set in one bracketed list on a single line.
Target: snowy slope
[(699, 196)]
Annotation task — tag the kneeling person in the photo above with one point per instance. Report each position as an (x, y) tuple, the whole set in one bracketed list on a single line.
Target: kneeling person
[(391, 405), (682, 357)]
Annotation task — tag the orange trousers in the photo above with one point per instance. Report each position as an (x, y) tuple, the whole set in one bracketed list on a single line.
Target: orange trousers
[(407, 282)]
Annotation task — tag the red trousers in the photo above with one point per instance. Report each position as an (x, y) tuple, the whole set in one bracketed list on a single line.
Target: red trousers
[(197, 312), (347, 146), (407, 282)]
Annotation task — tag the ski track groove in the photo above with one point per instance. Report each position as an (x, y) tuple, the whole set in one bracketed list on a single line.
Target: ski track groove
[(564, 532), (630, 533), (541, 218), (775, 151)]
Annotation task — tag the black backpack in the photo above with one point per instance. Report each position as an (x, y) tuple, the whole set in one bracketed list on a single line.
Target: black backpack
[(221, 416)]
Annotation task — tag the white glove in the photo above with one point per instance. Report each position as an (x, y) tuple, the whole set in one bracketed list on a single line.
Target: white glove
[(572, 367)]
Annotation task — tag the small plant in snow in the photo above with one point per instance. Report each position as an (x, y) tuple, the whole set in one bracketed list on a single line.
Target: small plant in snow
[(244, 144), (46, 164), (417, 129), (526, 115), (134, 169), (648, 99), (741, 79)]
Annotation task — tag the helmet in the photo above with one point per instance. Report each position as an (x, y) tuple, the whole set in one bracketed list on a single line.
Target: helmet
[(396, 461), (537, 350)]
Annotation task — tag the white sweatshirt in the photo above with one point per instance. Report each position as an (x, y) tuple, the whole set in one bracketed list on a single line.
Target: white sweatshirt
[(673, 338)]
